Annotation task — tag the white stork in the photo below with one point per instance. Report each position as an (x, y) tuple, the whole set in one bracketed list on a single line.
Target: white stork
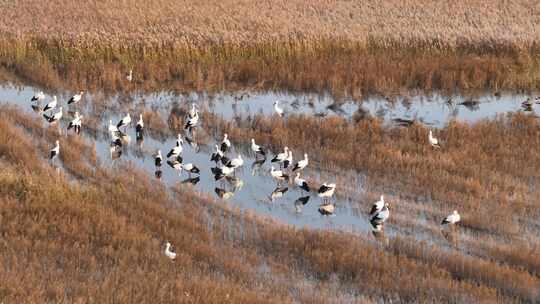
[(76, 123), (236, 162), (158, 159), (326, 191), (225, 143), (55, 151), (434, 142), (278, 174), (124, 122), (257, 149), (377, 206), (452, 218), (51, 105), (301, 164), (168, 250), (38, 97), (75, 98), (139, 128), (55, 117), (300, 182)]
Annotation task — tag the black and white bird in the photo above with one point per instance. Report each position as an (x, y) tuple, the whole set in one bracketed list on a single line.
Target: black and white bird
[(113, 130), (326, 191), (377, 206), (55, 151), (168, 250), (193, 111), (225, 143), (55, 117), (191, 168), (300, 182), (217, 155), (452, 218), (301, 164), (176, 150), (124, 122), (434, 142), (236, 162), (75, 98), (222, 193), (281, 157), (288, 161), (278, 174), (192, 122), (380, 217), (129, 76), (158, 159), (51, 105), (176, 164), (277, 108), (300, 202), (38, 97), (257, 149), (139, 128), (76, 123), (220, 172)]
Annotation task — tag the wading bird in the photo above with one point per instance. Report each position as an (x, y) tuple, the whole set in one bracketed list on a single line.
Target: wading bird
[(124, 122), (139, 128), (257, 149), (168, 251), (301, 182), (55, 117), (281, 157), (380, 217), (76, 123), (176, 150), (326, 191), (301, 164), (278, 174), (38, 97), (55, 151), (277, 109), (75, 98), (434, 142), (236, 162), (51, 105), (377, 206), (327, 209), (225, 143), (158, 159)]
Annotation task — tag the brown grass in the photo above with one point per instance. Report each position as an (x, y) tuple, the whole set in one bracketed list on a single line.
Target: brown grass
[(101, 241), (353, 48)]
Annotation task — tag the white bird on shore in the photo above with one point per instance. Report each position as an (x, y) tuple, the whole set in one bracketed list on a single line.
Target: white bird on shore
[(326, 191), (191, 168), (76, 123), (225, 143), (113, 129), (236, 162), (277, 109), (38, 97), (55, 151), (257, 149), (217, 155), (433, 141), (377, 206), (302, 163), (55, 117), (168, 251), (452, 218), (301, 182), (139, 128), (124, 122), (75, 98), (278, 174), (51, 105)]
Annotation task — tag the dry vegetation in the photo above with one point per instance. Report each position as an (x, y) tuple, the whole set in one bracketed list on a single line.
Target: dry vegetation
[(99, 237), (346, 47)]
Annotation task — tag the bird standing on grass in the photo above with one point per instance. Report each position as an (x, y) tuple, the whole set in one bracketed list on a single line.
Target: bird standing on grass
[(257, 149), (434, 142), (75, 98), (452, 218), (168, 251), (55, 151)]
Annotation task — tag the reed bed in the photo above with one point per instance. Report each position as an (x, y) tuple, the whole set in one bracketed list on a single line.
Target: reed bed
[(352, 48), (101, 240)]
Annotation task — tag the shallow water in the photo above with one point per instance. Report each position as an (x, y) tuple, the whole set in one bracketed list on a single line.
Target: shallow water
[(253, 186)]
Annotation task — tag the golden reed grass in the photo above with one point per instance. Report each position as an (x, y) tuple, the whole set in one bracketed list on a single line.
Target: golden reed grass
[(100, 240), (353, 48)]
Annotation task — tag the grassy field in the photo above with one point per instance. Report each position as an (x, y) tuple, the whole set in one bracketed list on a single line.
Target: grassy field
[(360, 47)]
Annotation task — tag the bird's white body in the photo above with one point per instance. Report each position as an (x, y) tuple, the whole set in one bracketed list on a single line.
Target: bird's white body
[(168, 252), (256, 148), (226, 170), (432, 140), (225, 143), (452, 218), (327, 209), (140, 123), (56, 116), (281, 157), (277, 108), (377, 206), (124, 121), (55, 151), (237, 162), (51, 105), (302, 163), (381, 216), (38, 97), (76, 98), (112, 128), (277, 174)]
